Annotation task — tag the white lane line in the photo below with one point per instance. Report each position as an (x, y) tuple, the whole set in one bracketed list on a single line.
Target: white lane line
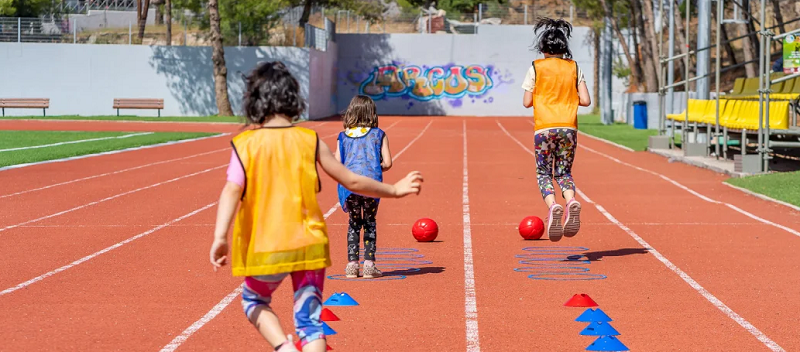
[(110, 198), (211, 314), (772, 345), (110, 173), (697, 194), (95, 254), (470, 301), (111, 152), (76, 142)]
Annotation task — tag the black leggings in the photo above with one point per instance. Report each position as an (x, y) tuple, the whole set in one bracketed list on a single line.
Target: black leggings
[(362, 215)]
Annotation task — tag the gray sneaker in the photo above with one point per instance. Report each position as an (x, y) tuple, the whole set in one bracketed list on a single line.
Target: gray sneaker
[(351, 271), (371, 272), (573, 222)]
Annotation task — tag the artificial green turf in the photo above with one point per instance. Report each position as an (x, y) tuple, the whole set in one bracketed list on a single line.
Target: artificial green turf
[(226, 119), (16, 139), (619, 133), (781, 186)]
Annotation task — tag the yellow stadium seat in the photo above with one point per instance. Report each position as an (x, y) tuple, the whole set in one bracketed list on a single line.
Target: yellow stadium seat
[(732, 109), (738, 85), (710, 115)]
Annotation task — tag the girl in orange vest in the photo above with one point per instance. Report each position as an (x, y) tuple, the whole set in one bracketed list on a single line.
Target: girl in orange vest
[(280, 230), (555, 87)]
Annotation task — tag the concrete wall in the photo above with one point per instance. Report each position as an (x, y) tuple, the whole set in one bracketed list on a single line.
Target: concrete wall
[(502, 53), (84, 79), (322, 85)]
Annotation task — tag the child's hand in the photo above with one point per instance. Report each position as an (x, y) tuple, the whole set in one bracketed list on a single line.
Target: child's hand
[(219, 253), (412, 183)]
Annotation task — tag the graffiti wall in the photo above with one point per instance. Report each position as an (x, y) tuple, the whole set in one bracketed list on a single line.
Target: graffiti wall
[(442, 74), (426, 83)]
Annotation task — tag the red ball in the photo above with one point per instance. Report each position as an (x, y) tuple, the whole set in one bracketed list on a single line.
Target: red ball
[(531, 228), (425, 230)]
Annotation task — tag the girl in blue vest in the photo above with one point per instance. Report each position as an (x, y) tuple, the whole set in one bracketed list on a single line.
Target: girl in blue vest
[(364, 149)]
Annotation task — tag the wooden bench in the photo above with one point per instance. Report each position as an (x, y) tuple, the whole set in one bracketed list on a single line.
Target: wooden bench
[(25, 103), (157, 104)]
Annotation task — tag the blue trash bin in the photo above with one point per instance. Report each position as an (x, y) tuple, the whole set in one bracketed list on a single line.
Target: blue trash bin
[(640, 115)]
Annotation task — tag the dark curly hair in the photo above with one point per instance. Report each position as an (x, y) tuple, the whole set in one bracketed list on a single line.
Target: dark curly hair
[(554, 36), (271, 90)]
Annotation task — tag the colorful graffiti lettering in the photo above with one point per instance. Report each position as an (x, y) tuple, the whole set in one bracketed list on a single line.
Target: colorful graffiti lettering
[(451, 81)]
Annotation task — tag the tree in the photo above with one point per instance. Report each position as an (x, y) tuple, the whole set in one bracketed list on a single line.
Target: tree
[(168, 12), (7, 8), (142, 6), (218, 61)]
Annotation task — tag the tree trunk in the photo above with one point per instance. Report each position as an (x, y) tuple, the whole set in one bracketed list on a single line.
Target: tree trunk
[(306, 13), (218, 61), (750, 43), (776, 8), (650, 25), (680, 41), (728, 47), (168, 10), (624, 43), (141, 15), (650, 66), (596, 75), (636, 52)]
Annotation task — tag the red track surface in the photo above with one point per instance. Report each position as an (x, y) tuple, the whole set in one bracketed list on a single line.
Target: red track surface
[(142, 294)]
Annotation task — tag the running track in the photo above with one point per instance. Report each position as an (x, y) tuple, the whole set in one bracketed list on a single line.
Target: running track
[(111, 252)]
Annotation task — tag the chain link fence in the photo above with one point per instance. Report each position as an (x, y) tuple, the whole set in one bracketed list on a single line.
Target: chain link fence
[(120, 27)]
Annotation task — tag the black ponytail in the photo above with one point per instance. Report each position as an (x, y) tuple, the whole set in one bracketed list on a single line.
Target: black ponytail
[(554, 36)]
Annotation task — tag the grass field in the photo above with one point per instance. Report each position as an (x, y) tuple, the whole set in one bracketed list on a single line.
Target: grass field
[(218, 119), (619, 133), (21, 147), (781, 186)]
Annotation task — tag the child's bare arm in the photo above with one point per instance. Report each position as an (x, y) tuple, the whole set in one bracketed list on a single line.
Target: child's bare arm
[(583, 94), (386, 154), (338, 154), (527, 99), (228, 201), (366, 186)]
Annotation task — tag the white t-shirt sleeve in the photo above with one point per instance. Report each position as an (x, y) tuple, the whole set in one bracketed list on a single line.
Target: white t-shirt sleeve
[(581, 78), (530, 78)]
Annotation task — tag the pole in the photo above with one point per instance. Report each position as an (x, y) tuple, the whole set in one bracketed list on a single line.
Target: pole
[(75, 32), (526, 14), (661, 67), (130, 33), (184, 32), (605, 99), (717, 68), (358, 23), (686, 75), (571, 13), (240, 34), (671, 53), (348, 21), (480, 12), (430, 23), (703, 57), (294, 31), (19, 29), (366, 27), (762, 80), (767, 57)]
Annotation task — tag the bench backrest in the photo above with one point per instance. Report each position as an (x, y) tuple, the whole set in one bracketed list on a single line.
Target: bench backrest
[(25, 102), (138, 103)]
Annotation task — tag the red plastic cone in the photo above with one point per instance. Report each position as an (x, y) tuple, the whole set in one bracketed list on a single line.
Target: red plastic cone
[(581, 300), (327, 315), (328, 348)]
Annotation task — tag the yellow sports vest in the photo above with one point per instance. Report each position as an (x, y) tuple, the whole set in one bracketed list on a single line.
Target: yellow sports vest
[(555, 94), (279, 227)]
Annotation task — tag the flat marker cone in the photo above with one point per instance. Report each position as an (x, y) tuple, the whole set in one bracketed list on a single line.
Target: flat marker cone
[(327, 330), (340, 299), (581, 300), (328, 348), (599, 329), (607, 343), (327, 315), (600, 316), (586, 316)]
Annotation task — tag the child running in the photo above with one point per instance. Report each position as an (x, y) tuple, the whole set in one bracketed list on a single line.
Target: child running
[(555, 87), (280, 230), (364, 149)]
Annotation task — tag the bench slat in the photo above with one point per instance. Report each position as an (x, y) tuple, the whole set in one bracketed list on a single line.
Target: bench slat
[(125, 103), (25, 102)]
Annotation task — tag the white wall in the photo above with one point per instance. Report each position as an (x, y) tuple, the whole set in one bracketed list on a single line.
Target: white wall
[(322, 85), (505, 51), (84, 79)]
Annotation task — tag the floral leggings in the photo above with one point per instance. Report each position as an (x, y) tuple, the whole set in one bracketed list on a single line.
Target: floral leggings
[(362, 215), (555, 146)]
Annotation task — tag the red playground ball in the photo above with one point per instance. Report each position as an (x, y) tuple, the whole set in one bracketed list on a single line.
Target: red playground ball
[(531, 228), (425, 230)]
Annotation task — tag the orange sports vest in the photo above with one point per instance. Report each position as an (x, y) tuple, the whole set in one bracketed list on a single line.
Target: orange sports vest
[(555, 94), (279, 227)]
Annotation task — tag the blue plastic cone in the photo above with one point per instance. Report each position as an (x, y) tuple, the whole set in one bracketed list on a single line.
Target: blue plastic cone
[(601, 316), (586, 316), (340, 299), (599, 329), (327, 330), (607, 343)]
